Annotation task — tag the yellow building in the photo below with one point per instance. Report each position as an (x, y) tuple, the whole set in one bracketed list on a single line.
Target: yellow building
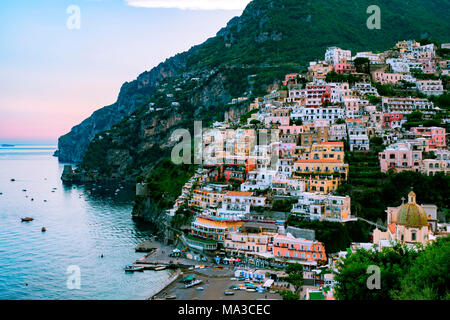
[(327, 150), (206, 199), (322, 175)]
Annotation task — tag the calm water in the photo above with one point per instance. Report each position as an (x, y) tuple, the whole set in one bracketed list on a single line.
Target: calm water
[(80, 228)]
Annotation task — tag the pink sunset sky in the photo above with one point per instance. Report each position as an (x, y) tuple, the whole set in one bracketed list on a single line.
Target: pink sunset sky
[(52, 77)]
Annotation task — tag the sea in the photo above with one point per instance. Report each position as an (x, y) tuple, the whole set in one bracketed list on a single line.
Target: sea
[(89, 238)]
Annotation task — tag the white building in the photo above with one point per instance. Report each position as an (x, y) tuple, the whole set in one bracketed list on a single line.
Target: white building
[(335, 55), (319, 206)]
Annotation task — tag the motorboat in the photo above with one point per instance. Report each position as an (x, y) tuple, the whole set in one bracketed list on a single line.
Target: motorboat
[(133, 268)]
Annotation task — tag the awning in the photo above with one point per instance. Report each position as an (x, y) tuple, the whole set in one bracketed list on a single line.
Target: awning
[(268, 283)]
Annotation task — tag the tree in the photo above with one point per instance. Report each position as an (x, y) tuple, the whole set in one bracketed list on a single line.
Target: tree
[(295, 275), (428, 277), (289, 295), (353, 272), (362, 65)]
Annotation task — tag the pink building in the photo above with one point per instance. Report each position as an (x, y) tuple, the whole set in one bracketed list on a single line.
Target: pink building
[(283, 121), (385, 78), (316, 95), (290, 78), (435, 135), (400, 157), (289, 247), (345, 67)]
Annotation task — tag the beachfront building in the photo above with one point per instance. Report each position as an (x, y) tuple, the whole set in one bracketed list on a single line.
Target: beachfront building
[(319, 206), (399, 157), (250, 244), (407, 224), (299, 250)]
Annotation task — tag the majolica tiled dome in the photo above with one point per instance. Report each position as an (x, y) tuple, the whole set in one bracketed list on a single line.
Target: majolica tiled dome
[(411, 214)]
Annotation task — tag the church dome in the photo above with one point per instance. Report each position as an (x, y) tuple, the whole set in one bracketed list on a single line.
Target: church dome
[(411, 214)]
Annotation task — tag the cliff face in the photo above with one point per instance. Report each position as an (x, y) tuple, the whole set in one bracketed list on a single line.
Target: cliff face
[(269, 33), (73, 145)]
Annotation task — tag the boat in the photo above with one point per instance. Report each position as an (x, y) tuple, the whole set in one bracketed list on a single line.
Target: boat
[(160, 268), (193, 283), (27, 219), (43, 229), (200, 288), (251, 290), (229, 293), (171, 297), (133, 268)]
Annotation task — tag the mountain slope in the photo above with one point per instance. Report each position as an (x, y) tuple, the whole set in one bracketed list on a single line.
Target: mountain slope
[(285, 33)]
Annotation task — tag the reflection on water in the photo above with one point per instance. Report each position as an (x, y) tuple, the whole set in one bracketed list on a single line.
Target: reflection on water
[(82, 222)]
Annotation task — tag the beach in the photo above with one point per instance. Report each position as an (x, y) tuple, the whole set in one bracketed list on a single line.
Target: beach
[(214, 283)]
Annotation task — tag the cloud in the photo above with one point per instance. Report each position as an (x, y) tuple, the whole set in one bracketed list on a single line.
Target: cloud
[(191, 4)]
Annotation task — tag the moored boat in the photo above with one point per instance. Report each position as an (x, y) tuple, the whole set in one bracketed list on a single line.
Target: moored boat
[(27, 219), (133, 268), (193, 283)]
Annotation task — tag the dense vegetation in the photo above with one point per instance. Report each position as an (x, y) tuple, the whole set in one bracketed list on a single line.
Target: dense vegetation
[(297, 31), (334, 235), (372, 191), (406, 274)]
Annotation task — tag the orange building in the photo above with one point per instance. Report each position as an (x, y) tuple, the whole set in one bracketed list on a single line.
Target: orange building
[(289, 247)]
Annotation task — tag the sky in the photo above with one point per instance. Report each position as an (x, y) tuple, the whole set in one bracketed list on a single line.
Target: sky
[(62, 60)]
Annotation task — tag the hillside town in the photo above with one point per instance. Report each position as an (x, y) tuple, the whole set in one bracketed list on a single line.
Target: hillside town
[(288, 155)]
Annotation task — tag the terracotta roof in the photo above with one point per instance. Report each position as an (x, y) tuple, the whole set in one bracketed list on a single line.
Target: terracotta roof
[(333, 142), (239, 193), (392, 227), (318, 161)]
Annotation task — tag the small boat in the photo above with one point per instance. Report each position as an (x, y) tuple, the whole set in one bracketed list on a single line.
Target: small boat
[(133, 268), (229, 293), (12, 180), (43, 229), (171, 297), (250, 290), (24, 190), (27, 219), (200, 288), (160, 268), (193, 283)]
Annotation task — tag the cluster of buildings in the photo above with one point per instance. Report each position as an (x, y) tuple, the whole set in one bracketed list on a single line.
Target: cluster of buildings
[(293, 145)]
